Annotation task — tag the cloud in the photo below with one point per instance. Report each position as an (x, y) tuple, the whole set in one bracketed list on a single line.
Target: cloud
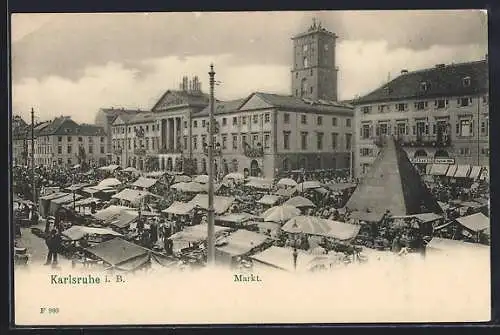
[(363, 67), (65, 44)]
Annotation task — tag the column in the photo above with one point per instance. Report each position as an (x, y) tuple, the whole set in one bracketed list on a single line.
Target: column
[(176, 133)]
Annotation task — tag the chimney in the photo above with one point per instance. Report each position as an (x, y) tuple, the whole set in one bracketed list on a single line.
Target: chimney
[(404, 71)]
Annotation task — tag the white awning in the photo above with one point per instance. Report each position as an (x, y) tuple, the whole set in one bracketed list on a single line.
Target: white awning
[(179, 208), (451, 171), (462, 171), (474, 172), (439, 169)]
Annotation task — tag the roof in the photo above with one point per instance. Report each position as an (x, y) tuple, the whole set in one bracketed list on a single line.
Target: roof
[(315, 29), (281, 258), (76, 232), (221, 204), (242, 242), (196, 233), (222, 107), (117, 251), (143, 117), (295, 103), (441, 81), (177, 98), (179, 208), (475, 222), (145, 182), (63, 125), (130, 195), (392, 184), (90, 130)]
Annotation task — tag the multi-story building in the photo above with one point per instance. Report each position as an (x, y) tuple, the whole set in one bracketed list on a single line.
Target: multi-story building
[(19, 141), (262, 134), (64, 142), (440, 115)]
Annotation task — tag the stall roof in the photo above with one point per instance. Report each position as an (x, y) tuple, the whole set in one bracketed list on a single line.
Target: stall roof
[(87, 201), (123, 219), (286, 192), (299, 201), (268, 199), (366, 216), (260, 183), (197, 233), (75, 233), (242, 241), (282, 258), (339, 186), (107, 183), (317, 226), (474, 172), (179, 208), (112, 167), (155, 174), (462, 171), (235, 217), (117, 251), (54, 196), (451, 171), (475, 222), (221, 204), (439, 169), (471, 204), (76, 187), (145, 182), (66, 199), (131, 195), (423, 217)]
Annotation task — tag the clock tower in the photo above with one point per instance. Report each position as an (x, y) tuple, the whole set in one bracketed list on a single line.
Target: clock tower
[(314, 74)]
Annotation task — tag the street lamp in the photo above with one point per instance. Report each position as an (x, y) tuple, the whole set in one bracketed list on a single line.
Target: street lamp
[(210, 214)]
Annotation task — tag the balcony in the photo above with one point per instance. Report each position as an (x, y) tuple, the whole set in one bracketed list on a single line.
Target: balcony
[(253, 152), (425, 141)]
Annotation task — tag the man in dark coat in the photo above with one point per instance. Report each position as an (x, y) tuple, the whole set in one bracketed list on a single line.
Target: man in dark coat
[(53, 242)]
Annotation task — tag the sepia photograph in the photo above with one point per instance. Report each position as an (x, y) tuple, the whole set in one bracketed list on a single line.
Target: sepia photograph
[(292, 167)]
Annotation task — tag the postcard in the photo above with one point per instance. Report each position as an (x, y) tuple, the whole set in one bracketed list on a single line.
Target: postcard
[(250, 168)]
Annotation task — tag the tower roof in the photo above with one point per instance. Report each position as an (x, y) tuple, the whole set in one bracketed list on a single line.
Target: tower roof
[(392, 184), (315, 28)]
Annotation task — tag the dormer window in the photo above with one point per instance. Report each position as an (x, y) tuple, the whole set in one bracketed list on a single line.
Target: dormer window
[(466, 81), (424, 86)]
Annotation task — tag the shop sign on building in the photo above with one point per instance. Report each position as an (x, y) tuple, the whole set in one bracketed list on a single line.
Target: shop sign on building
[(429, 160)]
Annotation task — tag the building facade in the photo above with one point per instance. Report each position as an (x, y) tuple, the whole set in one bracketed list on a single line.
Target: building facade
[(440, 115), (63, 142)]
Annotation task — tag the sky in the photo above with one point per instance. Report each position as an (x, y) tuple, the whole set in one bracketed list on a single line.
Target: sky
[(74, 64)]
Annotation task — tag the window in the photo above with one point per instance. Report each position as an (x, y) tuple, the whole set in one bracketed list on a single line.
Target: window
[(195, 124), (203, 123), (224, 141), (91, 140), (267, 118), (296, 75), (303, 87), (69, 161), (311, 89), (91, 149), (485, 99), (366, 152), (70, 138), (311, 73), (303, 140), (102, 139), (224, 121), (465, 151), (383, 108), (366, 109), (286, 140), (463, 102), (326, 47), (267, 139), (320, 141), (255, 140), (365, 131), (484, 128), (440, 103), (69, 148), (424, 86), (185, 125), (243, 120), (185, 142), (305, 62), (59, 150), (153, 140), (255, 118), (465, 128), (305, 47), (335, 140), (102, 149), (383, 129), (147, 129), (348, 140), (320, 120), (59, 139), (348, 123), (235, 142), (195, 142), (402, 107), (303, 119), (203, 140), (485, 151), (466, 81), (129, 144), (243, 140), (235, 121), (286, 118)]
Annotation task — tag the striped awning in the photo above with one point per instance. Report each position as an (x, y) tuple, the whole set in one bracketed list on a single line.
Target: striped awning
[(451, 171), (474, 172), (485, 173), (462, 171), (439, 169)]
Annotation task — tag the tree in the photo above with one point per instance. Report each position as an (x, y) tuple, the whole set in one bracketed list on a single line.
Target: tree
[(189, 167), (82, 157)]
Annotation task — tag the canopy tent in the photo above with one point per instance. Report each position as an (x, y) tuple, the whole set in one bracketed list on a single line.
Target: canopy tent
[(286, 192), (182, 178), (235, 176), (120, 254), (202, 179), (317, 226), (451, 171), (475, 172), (308, 185), (189, 187), (299, 202), (260, 183), (76, 166), (179, 208), (235, 217), (124, 219), (221, 204), (423, 217), (439, 169), (366, 216), (268, 199), (75, 233), (321, 190), (282, 259), (87, 201), (339, 186), (66, 199), (265, 226), (54, 195), (393, 184), (107, 183), (462, 171), (134, 196), (475, 222), (144, 182), (97, 189), (155, 174), (280, 213), (287, 182), (241, 242), (118, 216), (131, 169), (111, 167), (76, 187), (196, 234)]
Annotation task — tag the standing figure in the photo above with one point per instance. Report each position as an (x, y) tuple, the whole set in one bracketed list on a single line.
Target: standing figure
[(53, 242)]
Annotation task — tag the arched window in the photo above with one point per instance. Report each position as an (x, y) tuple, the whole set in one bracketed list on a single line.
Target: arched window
[(286, 164), (254, 168), (169, 164), (234, 164)]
